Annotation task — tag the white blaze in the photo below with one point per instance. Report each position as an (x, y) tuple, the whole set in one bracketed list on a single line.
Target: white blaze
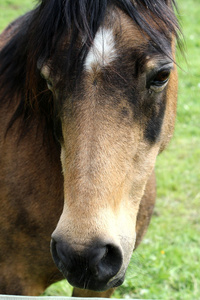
[(102, 51)]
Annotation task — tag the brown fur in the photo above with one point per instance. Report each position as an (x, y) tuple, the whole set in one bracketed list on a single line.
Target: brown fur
[(95, 172)]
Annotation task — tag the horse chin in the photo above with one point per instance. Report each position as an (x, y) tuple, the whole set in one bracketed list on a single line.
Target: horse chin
[(92, 283)]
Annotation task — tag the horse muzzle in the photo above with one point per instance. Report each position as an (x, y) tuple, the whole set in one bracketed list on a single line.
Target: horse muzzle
[(96, 267)]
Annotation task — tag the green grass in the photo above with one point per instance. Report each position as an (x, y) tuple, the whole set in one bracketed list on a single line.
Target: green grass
[(11, 9), (166, 265)]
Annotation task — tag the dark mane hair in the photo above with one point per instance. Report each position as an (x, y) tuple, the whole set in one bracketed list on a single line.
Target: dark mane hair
[(40, 32)]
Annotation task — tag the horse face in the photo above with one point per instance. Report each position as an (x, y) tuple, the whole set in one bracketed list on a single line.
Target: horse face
[(114, 123)]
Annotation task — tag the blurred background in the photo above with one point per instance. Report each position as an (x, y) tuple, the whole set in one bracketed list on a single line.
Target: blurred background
[(166, 264)]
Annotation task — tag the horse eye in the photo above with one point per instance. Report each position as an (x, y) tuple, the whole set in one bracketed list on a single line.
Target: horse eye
[(161, 77), (159, 80)]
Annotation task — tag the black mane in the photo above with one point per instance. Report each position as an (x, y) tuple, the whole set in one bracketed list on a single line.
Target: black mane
[(41, 30)]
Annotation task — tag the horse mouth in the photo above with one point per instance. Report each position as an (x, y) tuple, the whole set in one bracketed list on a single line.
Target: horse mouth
[(88, 281)]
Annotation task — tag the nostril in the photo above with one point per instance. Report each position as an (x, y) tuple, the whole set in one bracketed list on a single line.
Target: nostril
[(96, 257), (106, 261), (53, 247), (54, 252), (57, 254), (114, 255)]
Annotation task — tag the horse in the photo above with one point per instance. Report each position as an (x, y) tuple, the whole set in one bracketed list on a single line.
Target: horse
[(88, 93)]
